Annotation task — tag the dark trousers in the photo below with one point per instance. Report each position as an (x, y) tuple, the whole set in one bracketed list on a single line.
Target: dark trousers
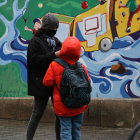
[(40, 104), (130, 19), (131, 16)]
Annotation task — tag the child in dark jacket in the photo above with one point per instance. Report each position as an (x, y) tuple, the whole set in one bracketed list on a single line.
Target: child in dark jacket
[(70, 118)]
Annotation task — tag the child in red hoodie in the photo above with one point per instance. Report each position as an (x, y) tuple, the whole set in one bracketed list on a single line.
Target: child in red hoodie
[(71, 119)]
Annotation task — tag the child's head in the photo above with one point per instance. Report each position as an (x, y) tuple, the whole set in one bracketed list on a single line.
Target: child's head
[(71, 49), (37, 23)]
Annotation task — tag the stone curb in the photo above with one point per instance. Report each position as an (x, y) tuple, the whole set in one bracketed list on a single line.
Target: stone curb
[(115, 113)]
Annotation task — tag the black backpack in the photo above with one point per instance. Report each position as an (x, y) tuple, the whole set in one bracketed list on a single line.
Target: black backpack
[(75, 87)]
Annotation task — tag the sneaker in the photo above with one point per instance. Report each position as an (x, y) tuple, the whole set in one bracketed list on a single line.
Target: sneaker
[(102, 2), (128, 30)]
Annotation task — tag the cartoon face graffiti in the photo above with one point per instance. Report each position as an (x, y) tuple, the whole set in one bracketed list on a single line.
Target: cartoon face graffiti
[(37, 25)]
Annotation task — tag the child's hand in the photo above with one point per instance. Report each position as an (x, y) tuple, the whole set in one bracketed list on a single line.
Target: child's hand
[(26, 28), (57, 53)]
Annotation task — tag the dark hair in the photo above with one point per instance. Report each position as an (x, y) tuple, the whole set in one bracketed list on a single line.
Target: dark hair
[(37, 20)]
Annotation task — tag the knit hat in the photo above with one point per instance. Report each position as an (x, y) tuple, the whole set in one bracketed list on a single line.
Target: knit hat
[(49, 21)]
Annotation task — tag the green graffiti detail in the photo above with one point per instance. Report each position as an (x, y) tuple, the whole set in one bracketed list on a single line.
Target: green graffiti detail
[(8, 8), (7, 13), (21, 3), (12, 84), (72, 3), (2, 28)]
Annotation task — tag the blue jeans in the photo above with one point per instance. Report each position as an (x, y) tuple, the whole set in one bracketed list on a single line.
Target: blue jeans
[(70, 127)]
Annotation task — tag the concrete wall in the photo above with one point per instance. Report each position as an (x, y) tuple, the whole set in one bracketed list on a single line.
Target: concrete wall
[(118, 113)]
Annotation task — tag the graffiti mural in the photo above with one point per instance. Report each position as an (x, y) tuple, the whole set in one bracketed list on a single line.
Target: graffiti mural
[(109, 32)]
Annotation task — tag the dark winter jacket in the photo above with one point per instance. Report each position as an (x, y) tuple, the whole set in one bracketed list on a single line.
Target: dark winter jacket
[(38, 61)]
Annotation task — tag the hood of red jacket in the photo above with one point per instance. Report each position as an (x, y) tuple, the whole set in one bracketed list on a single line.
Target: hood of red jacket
[(70, 50)]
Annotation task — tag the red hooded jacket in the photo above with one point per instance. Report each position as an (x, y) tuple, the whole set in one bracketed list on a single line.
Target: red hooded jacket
[(69, 52)]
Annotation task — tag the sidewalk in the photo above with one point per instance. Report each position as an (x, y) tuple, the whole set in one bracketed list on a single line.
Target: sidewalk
[(16, 130)]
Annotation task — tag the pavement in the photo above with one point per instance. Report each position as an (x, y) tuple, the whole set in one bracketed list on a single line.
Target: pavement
[(16, 130)]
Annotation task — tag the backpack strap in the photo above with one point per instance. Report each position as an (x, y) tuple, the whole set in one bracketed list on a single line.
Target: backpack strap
[(79, 64), (62, 62), (41, 39), (66, 64)]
